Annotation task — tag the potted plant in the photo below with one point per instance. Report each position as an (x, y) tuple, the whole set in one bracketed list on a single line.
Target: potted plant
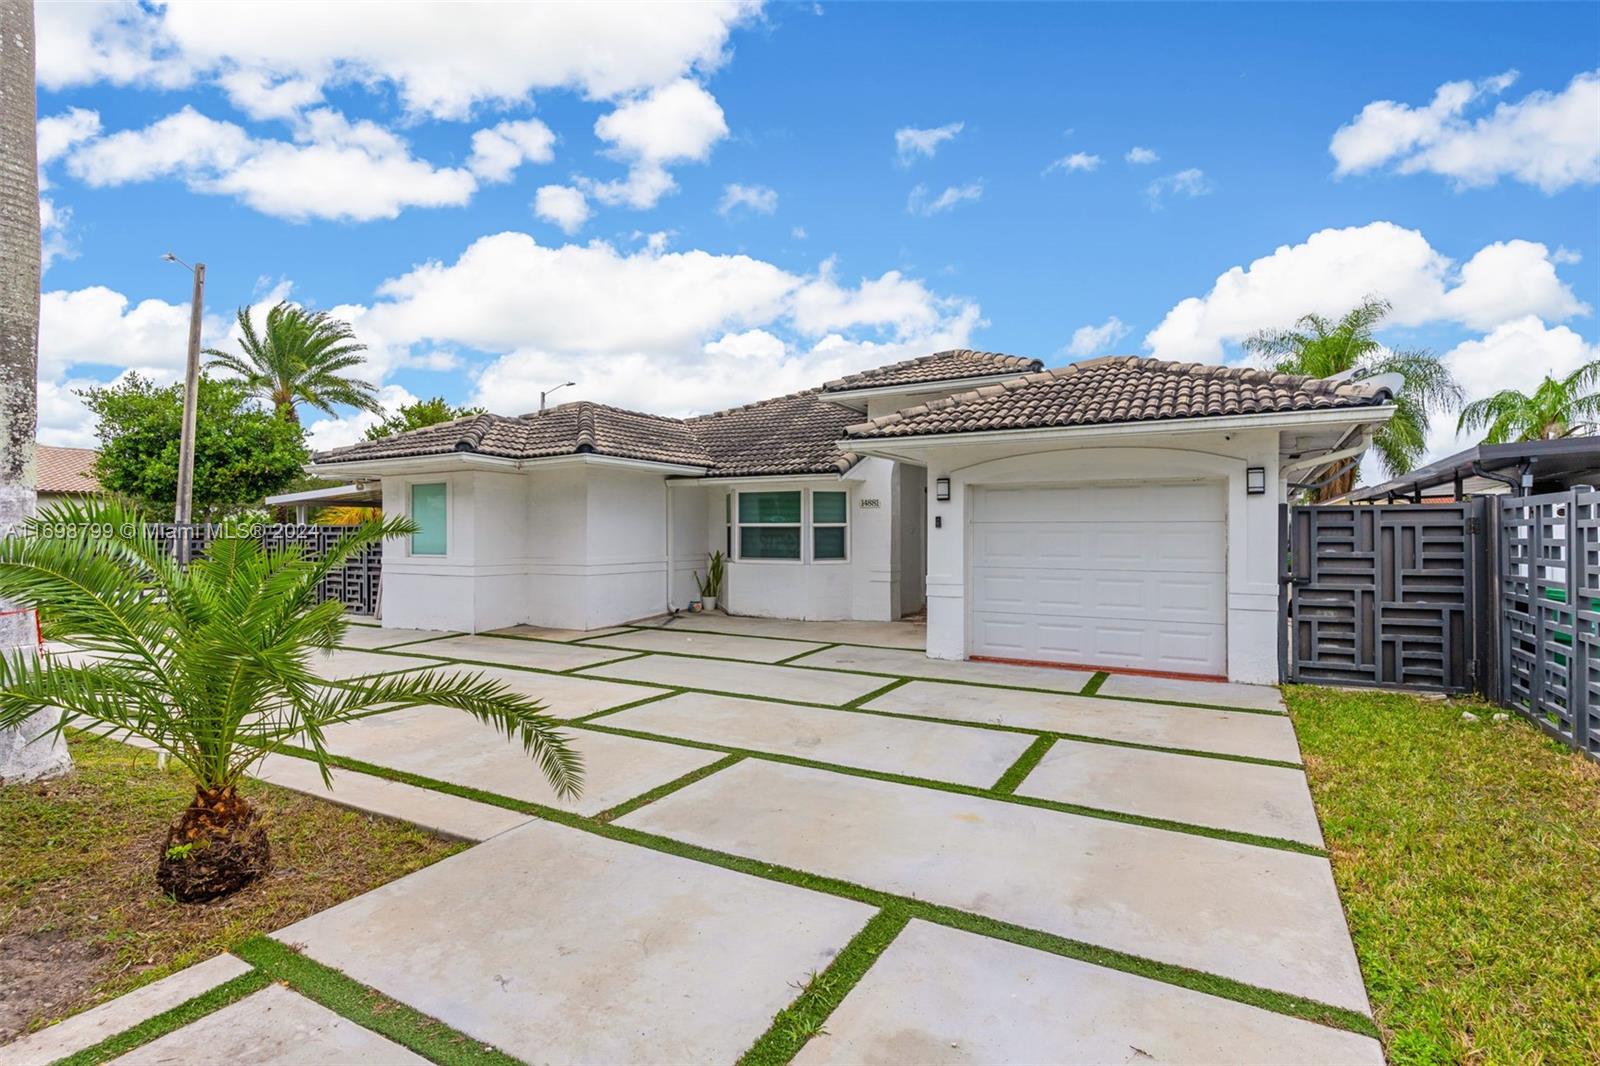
[(711, 586)]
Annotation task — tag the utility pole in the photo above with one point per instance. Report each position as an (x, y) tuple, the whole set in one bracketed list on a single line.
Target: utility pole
[(191, 403)]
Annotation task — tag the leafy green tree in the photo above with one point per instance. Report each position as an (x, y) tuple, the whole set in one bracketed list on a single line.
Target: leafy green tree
[(216, 665), (1322, 347), (241, 452), (1559, 407), (417, 415), (299, 357)]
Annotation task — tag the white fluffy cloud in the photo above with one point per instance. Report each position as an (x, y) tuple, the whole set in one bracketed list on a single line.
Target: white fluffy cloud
[(911, 142), (563, 206), (499, 151), (1334, 269), (759, 199), (923, 202), (1515, 355), (56, 134), (676, 123), (1141, 155), (1549, 140), (1191, 183), (1075, 161), (443, 60), (1091, 340), (334, 168), (696, 330), (327, 433)]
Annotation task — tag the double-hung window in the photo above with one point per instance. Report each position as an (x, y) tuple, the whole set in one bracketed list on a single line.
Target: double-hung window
[(830, 532), (769, 525), (792, 525), (429, 512)]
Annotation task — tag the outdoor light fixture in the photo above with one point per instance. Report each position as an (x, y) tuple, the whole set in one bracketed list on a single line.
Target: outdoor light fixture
[(941, 488), (1255, 480)]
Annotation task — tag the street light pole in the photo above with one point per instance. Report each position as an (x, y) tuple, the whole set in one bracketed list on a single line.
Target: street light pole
[(546, 392), (191, 403)]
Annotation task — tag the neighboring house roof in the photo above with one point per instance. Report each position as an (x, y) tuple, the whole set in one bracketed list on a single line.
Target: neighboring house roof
[(1118, 389), (64, 470), (940, 366)]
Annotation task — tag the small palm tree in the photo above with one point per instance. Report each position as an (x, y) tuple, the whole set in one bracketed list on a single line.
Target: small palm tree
[(299, 358), (214, 665), (1322, 348), (1559, 407)]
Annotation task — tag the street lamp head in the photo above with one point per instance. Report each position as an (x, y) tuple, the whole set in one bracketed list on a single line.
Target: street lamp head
[(169, 257)]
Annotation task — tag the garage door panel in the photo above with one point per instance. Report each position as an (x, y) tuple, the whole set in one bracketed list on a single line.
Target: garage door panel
[(1131, 576), (1200, 501)]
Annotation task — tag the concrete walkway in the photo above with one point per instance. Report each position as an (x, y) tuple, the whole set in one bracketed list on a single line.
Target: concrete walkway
[(1088, 875)]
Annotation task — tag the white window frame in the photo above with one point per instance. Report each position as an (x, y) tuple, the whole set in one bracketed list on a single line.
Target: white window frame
[(807, 527), (813, 526), (449, 518), (802, 526)]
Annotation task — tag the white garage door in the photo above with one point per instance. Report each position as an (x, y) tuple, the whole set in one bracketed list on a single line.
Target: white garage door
[(1130, 575)]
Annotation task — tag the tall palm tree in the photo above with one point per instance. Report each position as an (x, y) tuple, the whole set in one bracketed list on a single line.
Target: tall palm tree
[(299, 358), (1559, 407), (214, 664), (1322, 348), (27, 747)]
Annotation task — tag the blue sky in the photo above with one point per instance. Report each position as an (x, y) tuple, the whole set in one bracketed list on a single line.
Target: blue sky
[(689, 207)]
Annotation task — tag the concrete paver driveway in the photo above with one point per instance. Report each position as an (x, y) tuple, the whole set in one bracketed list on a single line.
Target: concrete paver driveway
[(983, 863)]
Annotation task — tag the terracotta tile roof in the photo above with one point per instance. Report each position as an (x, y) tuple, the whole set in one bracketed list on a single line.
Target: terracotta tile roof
[(65, 469), (1118, 389), (940, 366), (796, 434), (569, 429)]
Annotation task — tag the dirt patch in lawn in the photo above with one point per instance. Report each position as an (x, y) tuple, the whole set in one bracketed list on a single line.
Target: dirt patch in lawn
[(81, 918)]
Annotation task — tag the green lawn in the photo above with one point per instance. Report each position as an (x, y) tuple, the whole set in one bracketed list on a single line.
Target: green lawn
[(81, 918), (1468, 858)]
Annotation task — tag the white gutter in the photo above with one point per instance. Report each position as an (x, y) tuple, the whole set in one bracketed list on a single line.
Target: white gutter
[(1170, 426)]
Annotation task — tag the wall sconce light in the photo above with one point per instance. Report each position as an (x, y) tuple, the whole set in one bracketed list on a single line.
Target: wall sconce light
[(941, 488), (1255, 480)]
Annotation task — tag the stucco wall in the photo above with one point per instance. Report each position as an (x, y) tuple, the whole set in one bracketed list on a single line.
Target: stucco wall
[(1252, 590)]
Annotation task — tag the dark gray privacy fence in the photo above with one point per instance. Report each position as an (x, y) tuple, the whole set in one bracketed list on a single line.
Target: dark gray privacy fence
[(356, 584), (1549, 575), (1387, 595), (1495, 595)]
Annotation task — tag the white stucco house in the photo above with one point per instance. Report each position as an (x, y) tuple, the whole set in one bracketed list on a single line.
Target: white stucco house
[(1119, 513)]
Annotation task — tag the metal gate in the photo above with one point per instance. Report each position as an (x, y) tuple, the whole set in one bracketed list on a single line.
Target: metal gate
[(1386, 595), (1550, 613), (358, 584)]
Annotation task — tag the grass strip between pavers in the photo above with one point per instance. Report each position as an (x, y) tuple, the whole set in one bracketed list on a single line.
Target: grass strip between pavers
[(1232, 835), (1090, 689), (804, 1018), (153, 1028), (855, 707), (1169, 973), (801, 654), (367, 1007), (1019, 770), (630, 705), (629, 806)]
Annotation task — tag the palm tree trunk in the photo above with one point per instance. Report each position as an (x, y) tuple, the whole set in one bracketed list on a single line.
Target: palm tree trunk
[(26, 752)]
